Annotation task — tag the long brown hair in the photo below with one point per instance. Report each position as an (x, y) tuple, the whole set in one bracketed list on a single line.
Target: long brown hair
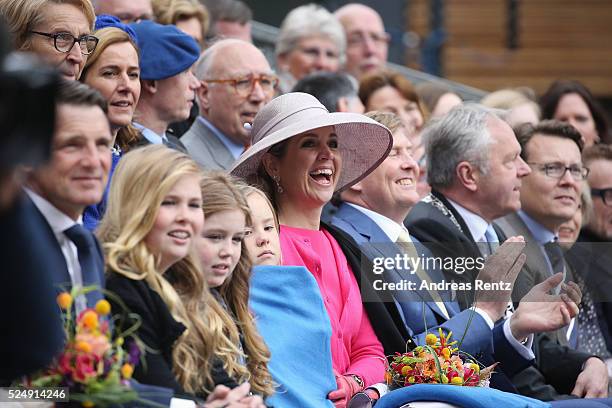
[(220, 192)]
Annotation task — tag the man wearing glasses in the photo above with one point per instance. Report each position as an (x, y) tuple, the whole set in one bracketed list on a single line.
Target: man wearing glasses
[(57, 31), (236, 82), (367, 43), (599, 160), (550, 196), (128, 11)]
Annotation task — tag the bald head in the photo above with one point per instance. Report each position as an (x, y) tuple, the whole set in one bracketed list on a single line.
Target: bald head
[(367, 41), (226, 105)]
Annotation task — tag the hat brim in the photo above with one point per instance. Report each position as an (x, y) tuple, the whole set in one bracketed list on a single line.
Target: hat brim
[(363, 144)]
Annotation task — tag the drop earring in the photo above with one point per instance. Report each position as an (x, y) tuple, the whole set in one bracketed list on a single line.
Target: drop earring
[(279, 188)]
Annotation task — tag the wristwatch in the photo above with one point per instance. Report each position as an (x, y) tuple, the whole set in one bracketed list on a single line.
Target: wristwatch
[(358, 380)]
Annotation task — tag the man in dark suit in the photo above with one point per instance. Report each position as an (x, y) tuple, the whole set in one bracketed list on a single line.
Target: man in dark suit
[(372, 213), (236, 82), (475, 171), (74, 177)]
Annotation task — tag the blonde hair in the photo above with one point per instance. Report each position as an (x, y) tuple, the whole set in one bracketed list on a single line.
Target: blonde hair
[(247, 190), (221, 192), (128, 135), (387, 119), (142, 179), (23, 15), (173, 11)]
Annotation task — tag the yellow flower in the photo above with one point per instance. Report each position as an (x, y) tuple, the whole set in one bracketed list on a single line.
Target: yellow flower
[(475, 367), (64, 300), (90, 319), (127, 370), (83, 346), (457, 381), (103, 307), (405, 370), (88, 404), (431, 339), (446, 353)]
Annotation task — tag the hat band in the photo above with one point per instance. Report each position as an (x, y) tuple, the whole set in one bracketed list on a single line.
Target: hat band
[(279, 121)]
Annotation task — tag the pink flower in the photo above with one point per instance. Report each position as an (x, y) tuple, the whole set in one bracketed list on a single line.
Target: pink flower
[(99, 344), (84, 368)]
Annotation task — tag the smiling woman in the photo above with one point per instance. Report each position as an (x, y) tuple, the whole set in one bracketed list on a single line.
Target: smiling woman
[(36, 24), (113, 69), (303, 154)]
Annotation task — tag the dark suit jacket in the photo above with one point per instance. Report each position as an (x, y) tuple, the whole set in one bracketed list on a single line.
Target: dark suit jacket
[(206, 148), (31, 325), (61, 276), (544, 381), (420, 315)]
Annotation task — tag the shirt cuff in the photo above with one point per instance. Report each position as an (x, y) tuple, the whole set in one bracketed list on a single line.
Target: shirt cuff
[(485, 316), (182, 403), (523, 349), (381, 388)]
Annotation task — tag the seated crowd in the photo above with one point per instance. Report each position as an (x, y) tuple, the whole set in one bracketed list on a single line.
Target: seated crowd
[(242, 211)]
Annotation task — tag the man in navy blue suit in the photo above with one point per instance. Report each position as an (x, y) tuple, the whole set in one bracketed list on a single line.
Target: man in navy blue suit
[(74, 178), (372, 213)]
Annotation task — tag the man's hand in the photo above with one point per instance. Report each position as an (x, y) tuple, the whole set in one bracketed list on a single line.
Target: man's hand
[(593, 380), (539, 311), (223, 397), (503, 266)]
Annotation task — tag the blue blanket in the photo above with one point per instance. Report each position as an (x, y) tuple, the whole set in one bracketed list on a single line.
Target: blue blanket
[(293, 321), (466, 397)]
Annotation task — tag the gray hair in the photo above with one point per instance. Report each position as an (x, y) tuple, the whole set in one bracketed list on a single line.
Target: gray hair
[(460, 135), (308, 21)]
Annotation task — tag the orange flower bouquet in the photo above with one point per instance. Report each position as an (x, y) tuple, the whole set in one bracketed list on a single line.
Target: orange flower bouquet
[(436, 362), (94, 364)]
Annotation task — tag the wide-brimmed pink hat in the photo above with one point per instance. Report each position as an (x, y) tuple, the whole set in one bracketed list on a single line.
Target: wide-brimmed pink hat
[(363, 143)]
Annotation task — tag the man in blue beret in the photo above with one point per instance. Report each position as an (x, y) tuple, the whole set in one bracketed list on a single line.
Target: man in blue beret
[(167, 84)]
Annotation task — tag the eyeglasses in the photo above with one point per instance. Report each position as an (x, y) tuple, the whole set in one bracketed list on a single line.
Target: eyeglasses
[(604, 193), (244, 85), (64, 42), (357, 39), (557, 170)]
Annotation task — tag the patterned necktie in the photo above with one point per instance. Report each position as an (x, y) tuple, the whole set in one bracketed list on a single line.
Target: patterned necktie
[(555, 256), (407, 246), (589, 339), (90, 270)]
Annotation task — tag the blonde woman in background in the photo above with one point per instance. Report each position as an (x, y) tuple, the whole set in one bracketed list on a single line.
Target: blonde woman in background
[(190, 16)]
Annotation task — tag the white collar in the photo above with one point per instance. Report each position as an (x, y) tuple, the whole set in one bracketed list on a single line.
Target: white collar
[(475, 223), (391, 228), (58, 221)]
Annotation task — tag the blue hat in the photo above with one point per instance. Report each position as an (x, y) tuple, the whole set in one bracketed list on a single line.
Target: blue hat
[(106, 20), (165, 51)]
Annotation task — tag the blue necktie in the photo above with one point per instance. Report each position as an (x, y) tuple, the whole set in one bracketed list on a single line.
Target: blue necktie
[(87, 251), (492, 239)]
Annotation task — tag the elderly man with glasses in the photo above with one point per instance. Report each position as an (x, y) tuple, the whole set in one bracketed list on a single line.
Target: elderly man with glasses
[(236, 82), (50, 29)]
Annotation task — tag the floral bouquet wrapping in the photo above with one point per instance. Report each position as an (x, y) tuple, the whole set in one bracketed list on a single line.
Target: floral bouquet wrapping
[(94, 364), (437, 362)]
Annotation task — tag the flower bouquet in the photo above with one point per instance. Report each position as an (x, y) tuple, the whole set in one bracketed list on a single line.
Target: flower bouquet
[(436, 362), (93, 365)]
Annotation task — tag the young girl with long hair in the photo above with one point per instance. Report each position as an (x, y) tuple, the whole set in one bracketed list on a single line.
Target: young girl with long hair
[(153, 217), (227, 270)]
